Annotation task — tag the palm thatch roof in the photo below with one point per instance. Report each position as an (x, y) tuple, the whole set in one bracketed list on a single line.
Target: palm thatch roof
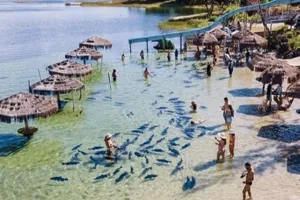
[(56, 84), (279, 71), (96, 42), (70, 68), (261, 62), (84, 53), (248, 38), (293, 90), (218, 33), (25, 105), (205, 39)]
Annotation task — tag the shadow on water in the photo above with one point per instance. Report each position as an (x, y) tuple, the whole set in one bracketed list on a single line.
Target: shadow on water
[(283, 133), (298, 111), (12, 143), (205, 166), (293, 164), (251, 109), (245, 92)]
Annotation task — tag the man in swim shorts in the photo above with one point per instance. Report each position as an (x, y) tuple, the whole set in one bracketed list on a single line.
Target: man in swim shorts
[(249, 179)]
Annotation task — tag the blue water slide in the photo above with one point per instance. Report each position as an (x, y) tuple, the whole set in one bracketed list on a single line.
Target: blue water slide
[(213, 25)]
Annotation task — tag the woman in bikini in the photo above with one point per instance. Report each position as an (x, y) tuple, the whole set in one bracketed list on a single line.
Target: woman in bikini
[(221, 145), (231, 142), (227, 113)]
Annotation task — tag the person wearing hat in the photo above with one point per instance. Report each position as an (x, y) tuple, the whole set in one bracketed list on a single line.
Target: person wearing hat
[(231, 142), (221, 145), (110, 146), (193, 106)]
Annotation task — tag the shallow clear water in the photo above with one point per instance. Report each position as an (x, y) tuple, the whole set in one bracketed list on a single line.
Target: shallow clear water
[(34, 36)]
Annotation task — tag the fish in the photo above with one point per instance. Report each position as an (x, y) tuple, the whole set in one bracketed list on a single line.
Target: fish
[(189, 183), (150, 177), (137, 131), (154, 103), (107, 97), (174, 139), (117, 170), (171, 92), (71, 163), (116, 135), (138, 154), (160, 96), (162, 108), (76, 147), (185, 146), (147, 141), (131, 113), (165, 131), (153, 127), (102, 176), (187, 82), (149, 147), (169, 111), (173, 151), (174, 99), (119, 103), (143, 127), (158, 150), (163, 161), (129, 155), (145, 171), (173, 143), (189, 136), (171, 121), (96, 148), (83, 153), (160, 140), (179, 102), (147, 160), (59, 178), (144, 91), (103, 152), (131, 170), (201, 134), (91, 98), (121, 177), (110, 164)]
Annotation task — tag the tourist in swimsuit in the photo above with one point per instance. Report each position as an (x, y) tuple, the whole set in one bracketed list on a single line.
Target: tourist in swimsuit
[(269, 95), (228, 113), (142, 55), (110, 146), (146, 73), (249, 179), (193, 106), (208, 69), (123, 57), (169, 56), (114, 75), (221, 145), (176, 54), (231, 143)]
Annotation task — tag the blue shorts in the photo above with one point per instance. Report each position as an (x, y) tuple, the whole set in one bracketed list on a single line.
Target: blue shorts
[(228, 119)]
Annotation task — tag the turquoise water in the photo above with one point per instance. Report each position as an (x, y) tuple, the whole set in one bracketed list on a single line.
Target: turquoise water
[(34, 36)]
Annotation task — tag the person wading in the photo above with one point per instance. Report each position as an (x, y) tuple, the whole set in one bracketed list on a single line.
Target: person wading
[(249, 179)]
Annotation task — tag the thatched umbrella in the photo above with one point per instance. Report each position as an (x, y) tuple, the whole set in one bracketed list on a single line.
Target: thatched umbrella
[(248, 38), (70, 68), (23, 106), (96, 42), (261, 62), (218, 33), (56, 84), (84, 54), (205, 39), (293, 90)]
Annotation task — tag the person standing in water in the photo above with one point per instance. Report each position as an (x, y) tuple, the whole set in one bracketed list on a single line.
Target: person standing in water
[(247, 57), (176, 54), (169, 56), (193, 106), (142, 55), (114, 75), (146, 73), (221, 145), (269, 95), (231, 142), (110, 146), (228, 113), (230, 67), (208, 69), (249, 179), (123, 57)]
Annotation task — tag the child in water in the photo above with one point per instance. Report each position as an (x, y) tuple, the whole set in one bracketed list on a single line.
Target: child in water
[(146, 73), (110, 146), (193, 106), (114, 75)]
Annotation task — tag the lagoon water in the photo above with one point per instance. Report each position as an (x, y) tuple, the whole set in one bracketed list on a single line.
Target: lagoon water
[(33, 36)]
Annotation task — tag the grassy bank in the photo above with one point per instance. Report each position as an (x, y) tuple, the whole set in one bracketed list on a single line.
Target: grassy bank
[(134, 4)]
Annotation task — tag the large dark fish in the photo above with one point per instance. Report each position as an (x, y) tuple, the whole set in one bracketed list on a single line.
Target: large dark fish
[(150, 177), (147, 141), (96, 148), (153, 127), (102, 176), (165, 131), (174, 139), (115, 135), (76, 147), (83, 153), (185, 146), (58, 178), (162, 108), (103, 152), (201, 134), (173, 151), (129, 155), (178, 167), (145, 171), (131, 170), (173, 143), (174, 99), (117, 170), (154, 103), (149, 147), (160, 140), (122, 176), (138, 154), (147, 160), (137, 131), (119, 103), (163, 161), (158, 150), (70, 163), (143, 127), (160, 96)]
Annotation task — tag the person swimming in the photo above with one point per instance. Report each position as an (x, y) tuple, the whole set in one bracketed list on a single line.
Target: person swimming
[(193, 106), (146, 73)]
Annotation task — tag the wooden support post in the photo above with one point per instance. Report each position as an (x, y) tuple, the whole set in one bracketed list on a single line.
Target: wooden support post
[(29, 88), (101, 61), (109, 80), (40, 74), (26, 123), (180, 43), (73, 101), (80, 94), (84, 61), (130, 47), (147, 46), (58, 102)]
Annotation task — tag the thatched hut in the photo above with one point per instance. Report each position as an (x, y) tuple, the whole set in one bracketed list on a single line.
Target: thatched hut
[(219, 34), (246, 38), (69, 68), (261, 62), (56, 85), (84, 53), (205, 39), (293, 90), (23, 106), (95, 43)]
